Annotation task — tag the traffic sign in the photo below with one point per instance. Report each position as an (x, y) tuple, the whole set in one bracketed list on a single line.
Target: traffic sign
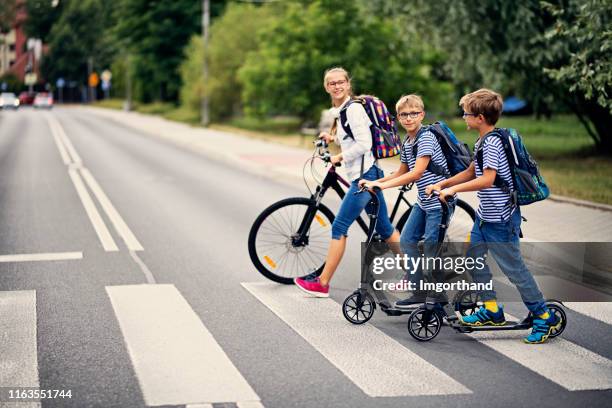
[(60, 83), (94, 80), (30, 78)]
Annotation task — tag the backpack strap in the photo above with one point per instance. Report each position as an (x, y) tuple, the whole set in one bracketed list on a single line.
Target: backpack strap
[(431, 166), (499, 181), (347, 128)]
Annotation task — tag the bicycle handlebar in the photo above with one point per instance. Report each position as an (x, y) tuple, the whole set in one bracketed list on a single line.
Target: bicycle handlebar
[(325, 155)]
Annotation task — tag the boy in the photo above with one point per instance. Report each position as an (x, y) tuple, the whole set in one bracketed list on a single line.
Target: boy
[(420, 154), (498, 219)]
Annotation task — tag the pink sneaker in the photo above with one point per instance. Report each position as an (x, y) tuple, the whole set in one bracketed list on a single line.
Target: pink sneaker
[(312, 287)]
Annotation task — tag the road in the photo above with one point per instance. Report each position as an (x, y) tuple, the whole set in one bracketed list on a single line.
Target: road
[(125, 278)]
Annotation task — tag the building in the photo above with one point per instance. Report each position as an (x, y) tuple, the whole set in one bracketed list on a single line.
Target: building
[(15, 55)]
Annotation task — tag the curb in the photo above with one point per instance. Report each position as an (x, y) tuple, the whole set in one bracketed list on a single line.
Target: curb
[(580, 203)]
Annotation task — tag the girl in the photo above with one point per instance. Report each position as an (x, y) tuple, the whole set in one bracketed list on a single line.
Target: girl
[(354, 149)]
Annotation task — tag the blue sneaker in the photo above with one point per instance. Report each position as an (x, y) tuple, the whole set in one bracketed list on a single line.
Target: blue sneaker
[(484, 317), (542, 329)]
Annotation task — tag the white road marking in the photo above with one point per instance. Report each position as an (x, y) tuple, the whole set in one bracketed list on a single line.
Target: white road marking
[(199, 406), (120, 226), (18, 343), (362, 353), (58, 142), (76, 159), (601, 311), (143, 267), (175, 357), (51, 256), (571, 366), (92, 212)]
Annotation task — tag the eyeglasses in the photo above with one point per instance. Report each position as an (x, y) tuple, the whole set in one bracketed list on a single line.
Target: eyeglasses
[(337, 83), (406, 115), (466, 114)]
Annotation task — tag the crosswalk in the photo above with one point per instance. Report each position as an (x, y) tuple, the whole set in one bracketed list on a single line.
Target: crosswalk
[(177, 360)]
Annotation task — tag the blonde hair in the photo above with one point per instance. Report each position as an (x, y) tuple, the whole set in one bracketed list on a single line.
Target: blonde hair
[(483, 102), (410, 100)]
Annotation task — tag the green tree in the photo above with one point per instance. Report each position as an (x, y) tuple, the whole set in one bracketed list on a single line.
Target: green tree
[(7, 15), (232, 36), (42, 14), (285, 74), (532, 48), (155, 34), (80, 33)]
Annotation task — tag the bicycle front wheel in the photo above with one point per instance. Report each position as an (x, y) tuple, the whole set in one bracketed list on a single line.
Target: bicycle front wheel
[(275, 246)]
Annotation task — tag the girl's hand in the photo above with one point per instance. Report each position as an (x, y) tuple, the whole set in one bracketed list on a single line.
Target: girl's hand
[(327, 137), (335, 159), (430, 189)]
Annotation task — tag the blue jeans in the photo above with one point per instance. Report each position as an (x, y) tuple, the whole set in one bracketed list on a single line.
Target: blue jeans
[(352, 205), (507, 253), (424, 225)]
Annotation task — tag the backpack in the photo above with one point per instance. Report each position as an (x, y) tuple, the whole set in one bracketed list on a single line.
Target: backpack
[(385, 140), (529, 185), (458, 155)]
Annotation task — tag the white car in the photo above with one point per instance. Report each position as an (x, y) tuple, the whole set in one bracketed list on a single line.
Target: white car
[(8, 100), (43, 100)]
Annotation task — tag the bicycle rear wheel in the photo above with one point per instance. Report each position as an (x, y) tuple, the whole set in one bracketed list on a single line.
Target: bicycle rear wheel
[(273, 247)]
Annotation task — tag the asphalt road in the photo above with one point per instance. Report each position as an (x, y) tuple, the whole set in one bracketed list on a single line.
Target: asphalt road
[(153, 300)]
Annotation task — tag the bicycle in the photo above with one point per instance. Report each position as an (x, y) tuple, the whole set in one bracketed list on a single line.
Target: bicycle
[(289, 239)]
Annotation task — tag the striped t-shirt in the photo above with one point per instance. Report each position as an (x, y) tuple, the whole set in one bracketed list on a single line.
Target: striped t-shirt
[(427, 146), (494, 202)]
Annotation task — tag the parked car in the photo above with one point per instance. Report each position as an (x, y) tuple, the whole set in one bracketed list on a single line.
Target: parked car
[(26, 98), (8, 100), (43, 100)]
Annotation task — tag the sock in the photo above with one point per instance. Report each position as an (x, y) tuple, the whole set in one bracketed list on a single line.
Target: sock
[(544, 315), (491, 306)]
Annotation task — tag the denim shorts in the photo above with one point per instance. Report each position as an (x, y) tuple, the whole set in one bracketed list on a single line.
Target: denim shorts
[(352, 205)]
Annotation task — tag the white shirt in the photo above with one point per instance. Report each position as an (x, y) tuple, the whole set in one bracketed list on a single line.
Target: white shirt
[(361, 146)]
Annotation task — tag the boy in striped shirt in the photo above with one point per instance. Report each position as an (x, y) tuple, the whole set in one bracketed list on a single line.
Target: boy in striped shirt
[(420, 154), (498, 219)]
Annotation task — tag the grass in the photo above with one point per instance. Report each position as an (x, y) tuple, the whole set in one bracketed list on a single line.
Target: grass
[(565, 152)]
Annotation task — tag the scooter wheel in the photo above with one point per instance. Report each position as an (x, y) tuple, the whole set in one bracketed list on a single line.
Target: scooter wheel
[(424, 324), (466, 303), (358, 308), (558, 311)]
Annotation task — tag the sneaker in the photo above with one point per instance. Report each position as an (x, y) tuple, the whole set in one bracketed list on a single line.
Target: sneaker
[(411, 301), (312, 287), (311, 276), (542, 328), (484, 317)]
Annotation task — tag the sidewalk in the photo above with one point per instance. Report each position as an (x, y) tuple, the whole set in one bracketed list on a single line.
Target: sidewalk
[(549, 221)]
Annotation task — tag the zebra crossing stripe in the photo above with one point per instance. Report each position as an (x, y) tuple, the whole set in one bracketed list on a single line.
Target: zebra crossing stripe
[(360, 352), (565, 363), (601, 311), (176, 359), (18, 346)]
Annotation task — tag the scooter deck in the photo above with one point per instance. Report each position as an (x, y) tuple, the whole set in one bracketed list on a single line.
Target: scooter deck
[(510, 325)]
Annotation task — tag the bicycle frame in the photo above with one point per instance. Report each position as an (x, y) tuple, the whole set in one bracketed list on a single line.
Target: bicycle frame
[(334, 181)]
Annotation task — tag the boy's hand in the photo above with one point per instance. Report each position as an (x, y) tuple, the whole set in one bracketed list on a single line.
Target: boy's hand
[(362, 182), (430, 189), (372, 184), (447, 192), (326, 136)]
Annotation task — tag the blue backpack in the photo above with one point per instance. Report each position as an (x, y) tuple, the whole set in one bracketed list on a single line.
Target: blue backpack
[(529, 185), (458, 155)]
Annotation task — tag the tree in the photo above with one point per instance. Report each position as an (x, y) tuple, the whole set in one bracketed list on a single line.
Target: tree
[(531, 48), (42, 14), (285, 74), (79, 34), (232, 36), (155, 34), (7, 15)]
